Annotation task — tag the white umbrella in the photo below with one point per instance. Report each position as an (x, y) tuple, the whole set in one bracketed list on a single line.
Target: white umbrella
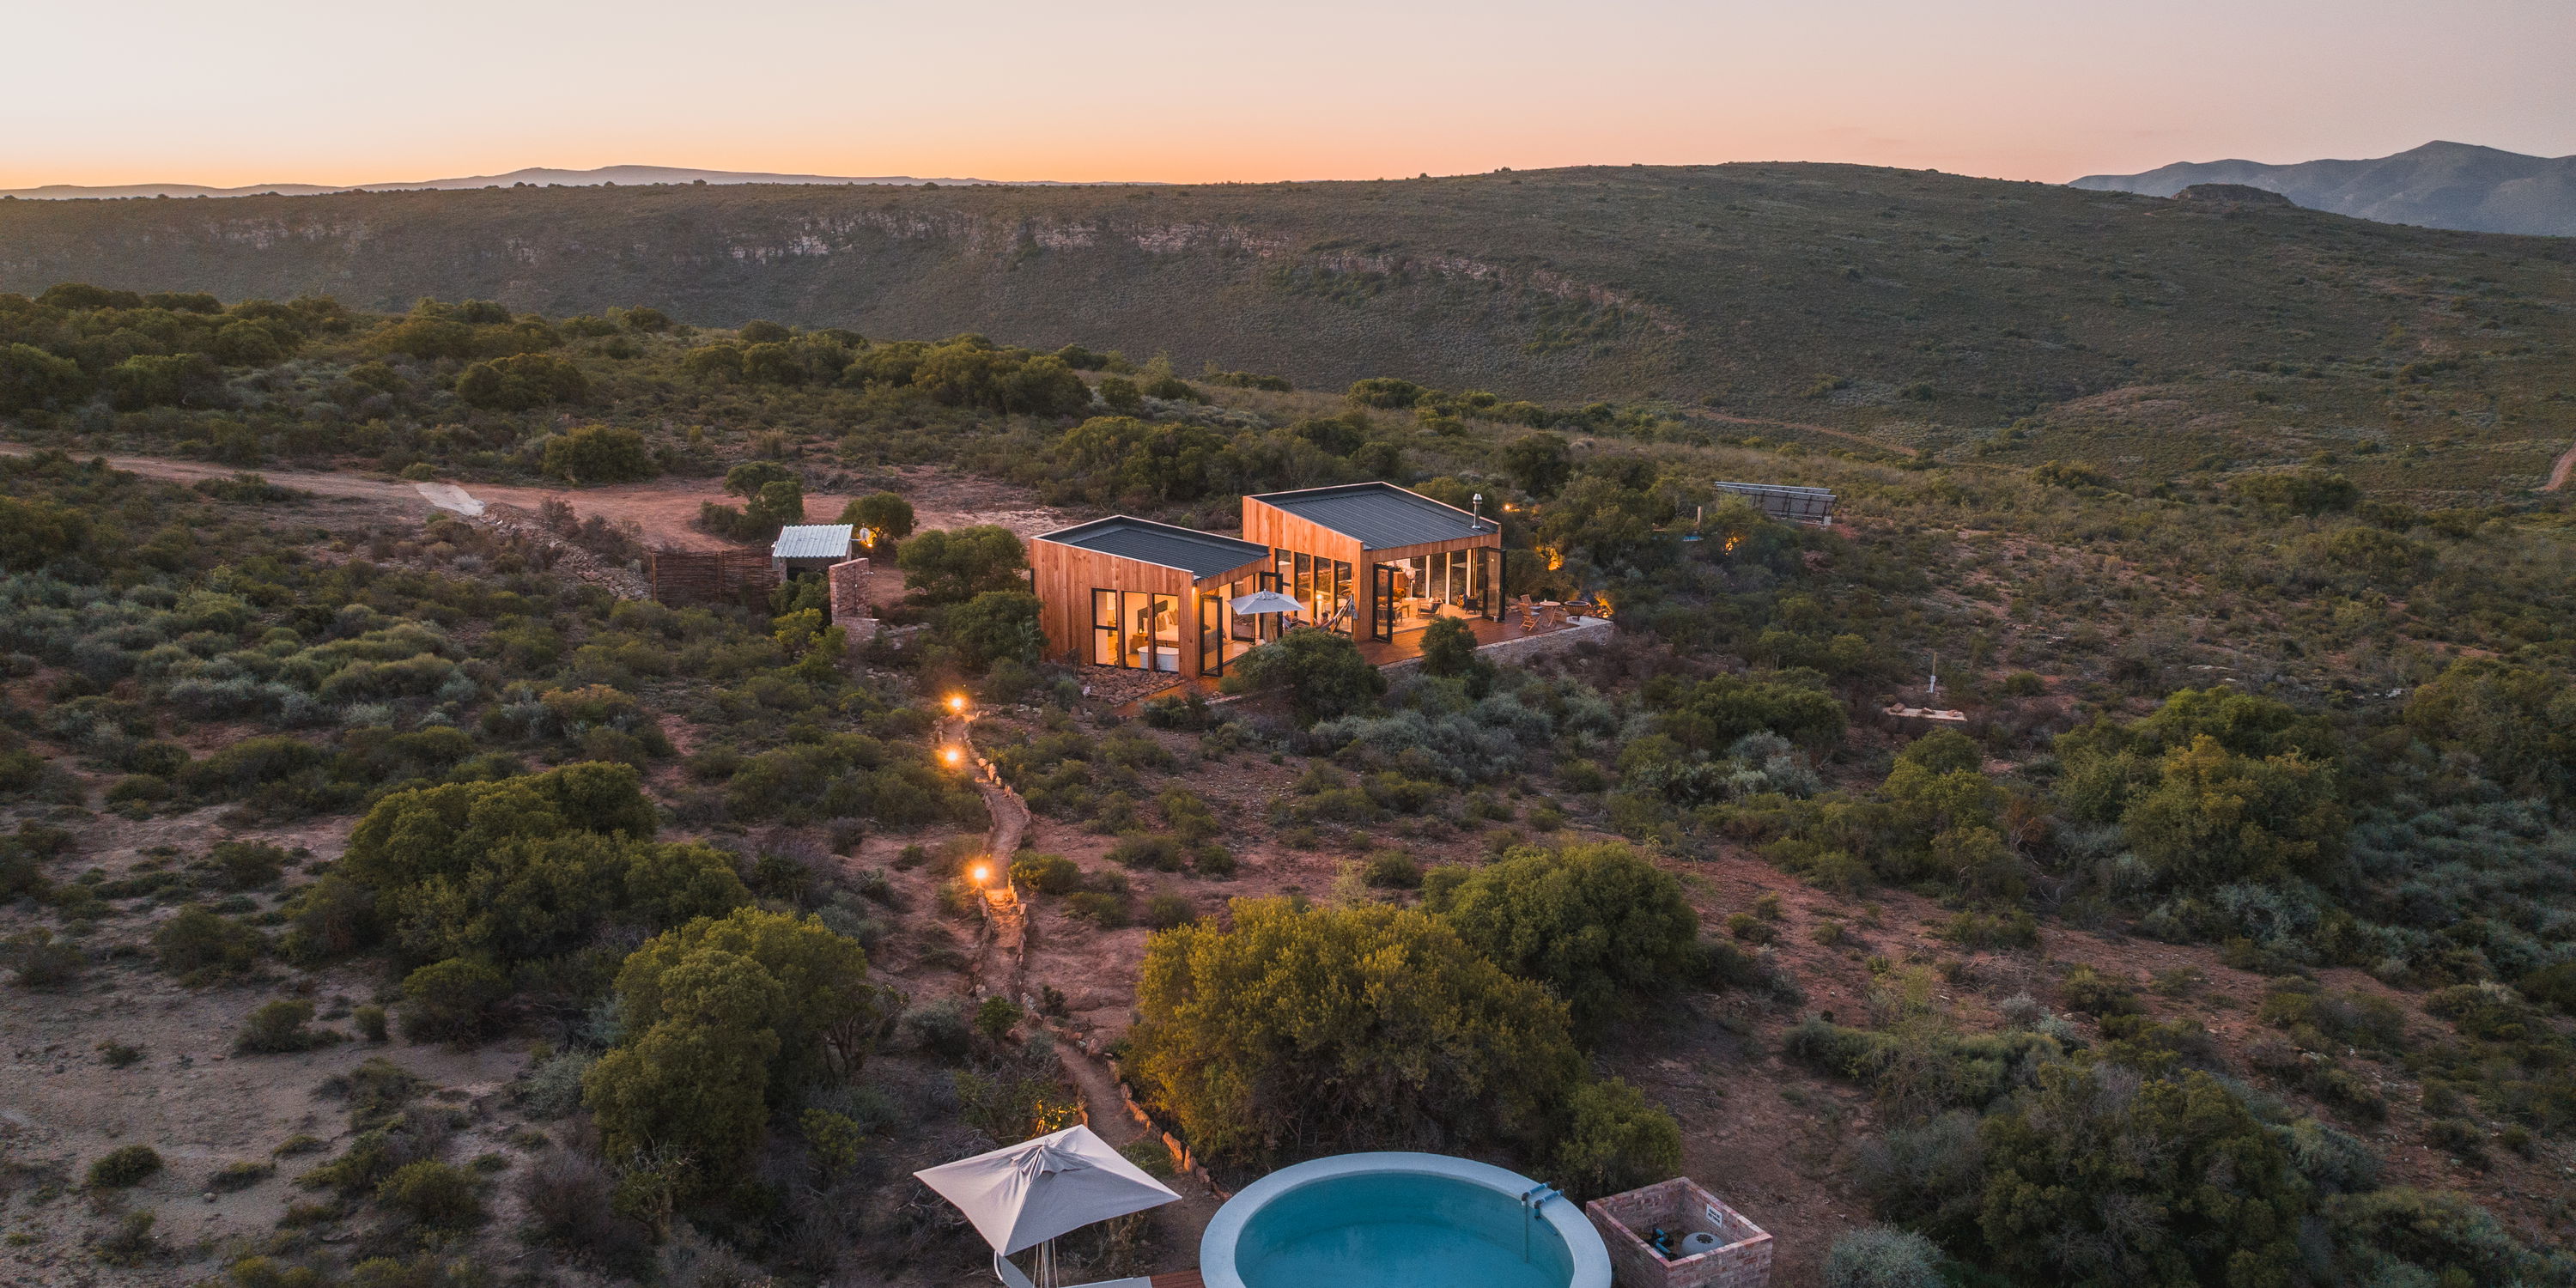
[(1020, 1196), (1267, 601)]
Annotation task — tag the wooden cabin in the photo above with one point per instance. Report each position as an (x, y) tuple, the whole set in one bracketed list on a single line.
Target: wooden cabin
[(1373, 560), (1130, 592)]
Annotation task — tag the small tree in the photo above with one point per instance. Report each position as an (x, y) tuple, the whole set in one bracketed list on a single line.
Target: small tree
[(1322, 674), (1539, 463), (598, 454), (884, 513), (1448, 647), (450, 1001), (1875, 1256), (1361, 1027), (1596, 925), (1615, 1140), (995, 626), (951, 567)]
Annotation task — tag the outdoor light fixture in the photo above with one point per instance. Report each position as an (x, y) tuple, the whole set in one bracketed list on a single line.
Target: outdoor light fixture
[(957, 703), (980, 873), (951, 755)]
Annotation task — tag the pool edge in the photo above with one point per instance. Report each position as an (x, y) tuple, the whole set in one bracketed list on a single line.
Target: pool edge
[(1584, 1246)]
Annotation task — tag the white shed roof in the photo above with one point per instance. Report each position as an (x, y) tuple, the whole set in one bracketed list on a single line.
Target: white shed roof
[(812, 541)]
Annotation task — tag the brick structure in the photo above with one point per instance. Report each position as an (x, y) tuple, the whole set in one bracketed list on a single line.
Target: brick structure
[(848, 582), (1741, 1259)]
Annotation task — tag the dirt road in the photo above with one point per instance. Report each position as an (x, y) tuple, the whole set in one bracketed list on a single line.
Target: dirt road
[(2558, 472), (666, 509)]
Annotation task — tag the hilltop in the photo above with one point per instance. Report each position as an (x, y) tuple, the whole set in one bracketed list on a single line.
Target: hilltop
[(530, 176), (1922, 311), (2439, 185)]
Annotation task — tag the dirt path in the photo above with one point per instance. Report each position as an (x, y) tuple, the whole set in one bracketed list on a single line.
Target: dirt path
[(2558, 472), (666, 509)]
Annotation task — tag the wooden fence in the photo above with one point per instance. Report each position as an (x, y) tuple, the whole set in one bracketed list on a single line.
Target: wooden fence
[(709, 576)]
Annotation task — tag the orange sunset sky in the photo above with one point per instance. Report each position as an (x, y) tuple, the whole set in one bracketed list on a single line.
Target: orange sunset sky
[(263, 91)]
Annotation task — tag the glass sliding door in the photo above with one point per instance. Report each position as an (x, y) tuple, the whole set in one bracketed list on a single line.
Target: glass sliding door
[(1212, 634), (1382, 601), (1163, 649)]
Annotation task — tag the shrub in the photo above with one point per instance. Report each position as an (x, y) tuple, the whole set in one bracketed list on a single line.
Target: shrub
[(124, 1167), (451, 1000), (1615, 1140), (246, 865), (1368, 1026), (591, 454), (433, 1195), (940, 1027), (1392, 870), (1321, 674), (1878, 1257), (1596, 925), (199, 944), (1107, 911), (278, 1028), (1148, 850), (1164, 911), (1049, 874), (240, 1175), (39, 960), (370, 1020)]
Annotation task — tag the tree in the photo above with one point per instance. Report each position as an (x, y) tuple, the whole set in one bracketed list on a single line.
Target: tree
[(1539, 463), (1448, 647), (747, 479), (598, 454), (995, 626), (35, 532), (526, 868), (2098, 1178), (883, 513), (1362, 1027), (1322, 674), (2519, 722), (521, 381), (725, 1018), (32, 378), (1596, 925), (2216, 818), (1615, 1140), (1878, 1257), (950, 567)]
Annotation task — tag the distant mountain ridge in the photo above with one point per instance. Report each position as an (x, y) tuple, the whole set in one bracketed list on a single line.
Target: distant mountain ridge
[(533, 176), (2439, 185)]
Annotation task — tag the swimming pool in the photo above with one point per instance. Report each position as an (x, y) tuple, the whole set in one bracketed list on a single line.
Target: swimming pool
[(1399, 1221)]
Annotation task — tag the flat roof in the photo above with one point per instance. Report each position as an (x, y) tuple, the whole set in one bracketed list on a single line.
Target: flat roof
[(1381, 515), (812, 541), (1200, 554)]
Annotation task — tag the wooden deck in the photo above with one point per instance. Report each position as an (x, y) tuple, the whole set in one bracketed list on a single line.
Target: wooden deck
[(1177, 1279)]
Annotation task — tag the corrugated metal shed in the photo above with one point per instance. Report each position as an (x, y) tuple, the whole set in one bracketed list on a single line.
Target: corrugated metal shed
[(1381, 515), (1200, 554), (812, 541)]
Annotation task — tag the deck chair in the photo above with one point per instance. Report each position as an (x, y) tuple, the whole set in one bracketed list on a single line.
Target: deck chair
[(1529, 614)]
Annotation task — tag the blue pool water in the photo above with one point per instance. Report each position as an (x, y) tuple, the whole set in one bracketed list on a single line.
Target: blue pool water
[(1399, 1230)]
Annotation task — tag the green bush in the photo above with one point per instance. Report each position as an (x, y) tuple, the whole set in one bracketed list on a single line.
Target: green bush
[(1878, 1257), (433, 1195), (451, 1000), (1360, 1027), (1321, 674), (124, 1167), (1048, 874), (1615, 1140), (595, 454), (1164, 911), (199, 944), (278, 1028), (1598, 926), (246, 865)]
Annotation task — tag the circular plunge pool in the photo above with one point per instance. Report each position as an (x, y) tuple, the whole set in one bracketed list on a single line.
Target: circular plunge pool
[(1399, 1221)]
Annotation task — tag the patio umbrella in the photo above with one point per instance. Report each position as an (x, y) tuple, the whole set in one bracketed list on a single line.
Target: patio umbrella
[(1024, 1195), (1266, 601)]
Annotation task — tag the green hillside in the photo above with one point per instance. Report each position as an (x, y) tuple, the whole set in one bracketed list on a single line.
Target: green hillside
[(1926, 311)]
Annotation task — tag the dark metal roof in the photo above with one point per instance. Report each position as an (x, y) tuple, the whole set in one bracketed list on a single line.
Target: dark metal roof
[(1200, 554), (1796, 504), (1381, 515)]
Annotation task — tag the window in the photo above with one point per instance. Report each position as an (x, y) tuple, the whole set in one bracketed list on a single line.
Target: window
[(1163, 613), (1104, 628)]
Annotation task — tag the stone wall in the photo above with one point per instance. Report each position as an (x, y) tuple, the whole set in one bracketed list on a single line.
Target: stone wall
[(849, 583), (1742, 1258), (1523, 648)]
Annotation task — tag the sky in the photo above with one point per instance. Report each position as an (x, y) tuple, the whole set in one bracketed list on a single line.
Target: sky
[(358, 91)]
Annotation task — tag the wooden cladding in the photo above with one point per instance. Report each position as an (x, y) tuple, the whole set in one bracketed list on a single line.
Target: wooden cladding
[(709, 576), (1064, 578)]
